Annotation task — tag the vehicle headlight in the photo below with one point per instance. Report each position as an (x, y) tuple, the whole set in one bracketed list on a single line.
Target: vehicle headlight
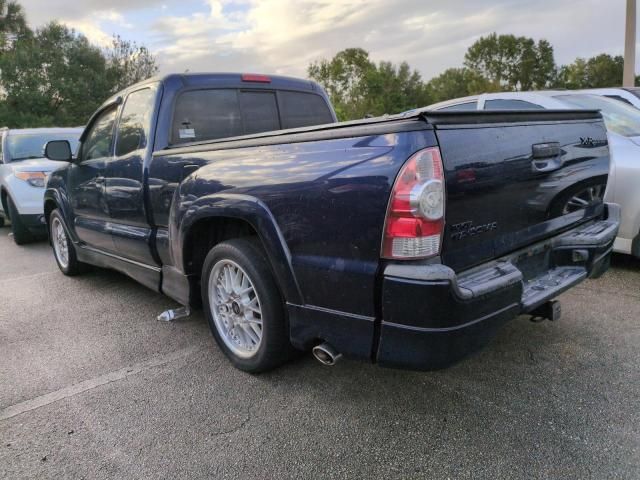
[(35, 179)]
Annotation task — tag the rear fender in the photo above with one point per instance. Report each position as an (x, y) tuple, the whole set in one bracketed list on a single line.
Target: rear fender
[(241, 207)]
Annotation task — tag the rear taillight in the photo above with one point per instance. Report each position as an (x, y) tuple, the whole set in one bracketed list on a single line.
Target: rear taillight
[(415, 216)]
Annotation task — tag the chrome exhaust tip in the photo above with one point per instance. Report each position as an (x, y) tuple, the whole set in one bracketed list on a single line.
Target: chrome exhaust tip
[(326, 354)]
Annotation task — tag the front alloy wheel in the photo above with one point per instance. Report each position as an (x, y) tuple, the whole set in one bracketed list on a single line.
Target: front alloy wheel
[(63, 248), (59, 242)]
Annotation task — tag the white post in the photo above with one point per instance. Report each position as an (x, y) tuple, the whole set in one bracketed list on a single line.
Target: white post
[(629, 76)]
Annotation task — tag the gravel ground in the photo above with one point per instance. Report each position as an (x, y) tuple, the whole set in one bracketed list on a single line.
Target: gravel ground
[(92, 386)]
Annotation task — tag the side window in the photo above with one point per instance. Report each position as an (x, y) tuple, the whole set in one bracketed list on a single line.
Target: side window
[(259, 112), (300, 109), (460, 107), (97, 143), (135, 122), (206, 115), (510, 105)]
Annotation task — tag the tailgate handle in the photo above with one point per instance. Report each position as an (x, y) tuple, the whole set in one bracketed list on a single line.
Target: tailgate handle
[(546, 150), (546, 157)]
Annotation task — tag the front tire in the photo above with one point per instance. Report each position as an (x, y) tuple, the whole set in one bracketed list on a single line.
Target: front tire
[(63, 248), (21, 234), (244, 307)]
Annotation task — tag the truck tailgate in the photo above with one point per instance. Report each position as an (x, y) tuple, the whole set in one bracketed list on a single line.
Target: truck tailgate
[(509, 175)]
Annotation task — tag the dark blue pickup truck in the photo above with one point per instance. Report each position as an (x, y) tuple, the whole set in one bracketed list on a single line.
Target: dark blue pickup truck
[(405, 240)]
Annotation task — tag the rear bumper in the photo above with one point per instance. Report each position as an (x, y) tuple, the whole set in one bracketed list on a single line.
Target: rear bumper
[(433, 317)]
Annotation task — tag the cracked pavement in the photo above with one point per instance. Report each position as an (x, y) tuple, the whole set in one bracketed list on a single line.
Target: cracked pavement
[(93, 386)]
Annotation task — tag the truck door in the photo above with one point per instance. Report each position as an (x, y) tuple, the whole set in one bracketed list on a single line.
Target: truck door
[(124, 184), (87, 183)]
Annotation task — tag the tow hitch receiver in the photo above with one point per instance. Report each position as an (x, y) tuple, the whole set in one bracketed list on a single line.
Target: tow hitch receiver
[(550, 310)]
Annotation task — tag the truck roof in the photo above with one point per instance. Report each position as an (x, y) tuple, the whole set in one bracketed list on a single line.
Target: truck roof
[(227, 79)]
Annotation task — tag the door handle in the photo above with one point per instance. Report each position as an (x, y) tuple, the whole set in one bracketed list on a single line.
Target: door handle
[(545, 150), (546, 157)]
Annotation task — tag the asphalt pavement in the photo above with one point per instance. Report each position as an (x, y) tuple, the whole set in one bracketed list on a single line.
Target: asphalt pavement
[(93, 386)]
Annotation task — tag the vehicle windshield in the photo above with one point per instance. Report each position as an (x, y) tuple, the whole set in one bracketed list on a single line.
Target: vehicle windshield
[(619, 118), (25, 146)]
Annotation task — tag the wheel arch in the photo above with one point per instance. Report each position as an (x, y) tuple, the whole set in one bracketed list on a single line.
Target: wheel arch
[(52, 200), (214, 219), (3, 201)]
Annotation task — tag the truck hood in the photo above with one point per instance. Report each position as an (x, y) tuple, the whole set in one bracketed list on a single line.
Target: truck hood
[(36, 165)]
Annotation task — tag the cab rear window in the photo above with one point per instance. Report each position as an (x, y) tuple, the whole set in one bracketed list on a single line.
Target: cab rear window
[(219, 113), (300, 109)]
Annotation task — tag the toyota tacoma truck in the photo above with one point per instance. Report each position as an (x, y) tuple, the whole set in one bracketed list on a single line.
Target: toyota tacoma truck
[(404, 240)]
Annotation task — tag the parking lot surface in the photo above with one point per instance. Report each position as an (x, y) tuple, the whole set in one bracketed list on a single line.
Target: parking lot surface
[(93, 386)]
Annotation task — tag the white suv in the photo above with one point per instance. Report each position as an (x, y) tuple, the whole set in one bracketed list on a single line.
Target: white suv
[(23, 174)]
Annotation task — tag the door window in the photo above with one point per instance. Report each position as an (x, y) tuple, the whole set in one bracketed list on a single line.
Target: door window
[(97, 143), (462, 107), (206, 115), (510, 105), (135, 123)]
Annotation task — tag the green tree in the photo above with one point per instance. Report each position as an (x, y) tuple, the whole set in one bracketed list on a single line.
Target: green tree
[(600, 71), (394, 89), (345, 78), (128, 63), (512, 63), (55, 77), (358, 87), (13, 24), (458, 82)]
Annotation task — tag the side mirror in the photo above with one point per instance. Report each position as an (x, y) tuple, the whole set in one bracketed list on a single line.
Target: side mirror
[(58, 150)]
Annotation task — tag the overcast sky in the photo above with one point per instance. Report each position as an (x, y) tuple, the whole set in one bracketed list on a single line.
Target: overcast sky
[(280, 36)]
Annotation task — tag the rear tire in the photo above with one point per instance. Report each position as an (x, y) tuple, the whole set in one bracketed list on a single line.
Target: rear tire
[(63, 249), (21, 234), (244, 307)]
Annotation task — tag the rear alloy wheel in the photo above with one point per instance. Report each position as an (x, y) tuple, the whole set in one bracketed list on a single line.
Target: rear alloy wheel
[(63, 249), (244, 307), (236, 309), (584, 198)]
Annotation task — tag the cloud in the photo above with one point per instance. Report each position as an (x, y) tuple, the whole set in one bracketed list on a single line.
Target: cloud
[(92, 30), (282, 36)]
